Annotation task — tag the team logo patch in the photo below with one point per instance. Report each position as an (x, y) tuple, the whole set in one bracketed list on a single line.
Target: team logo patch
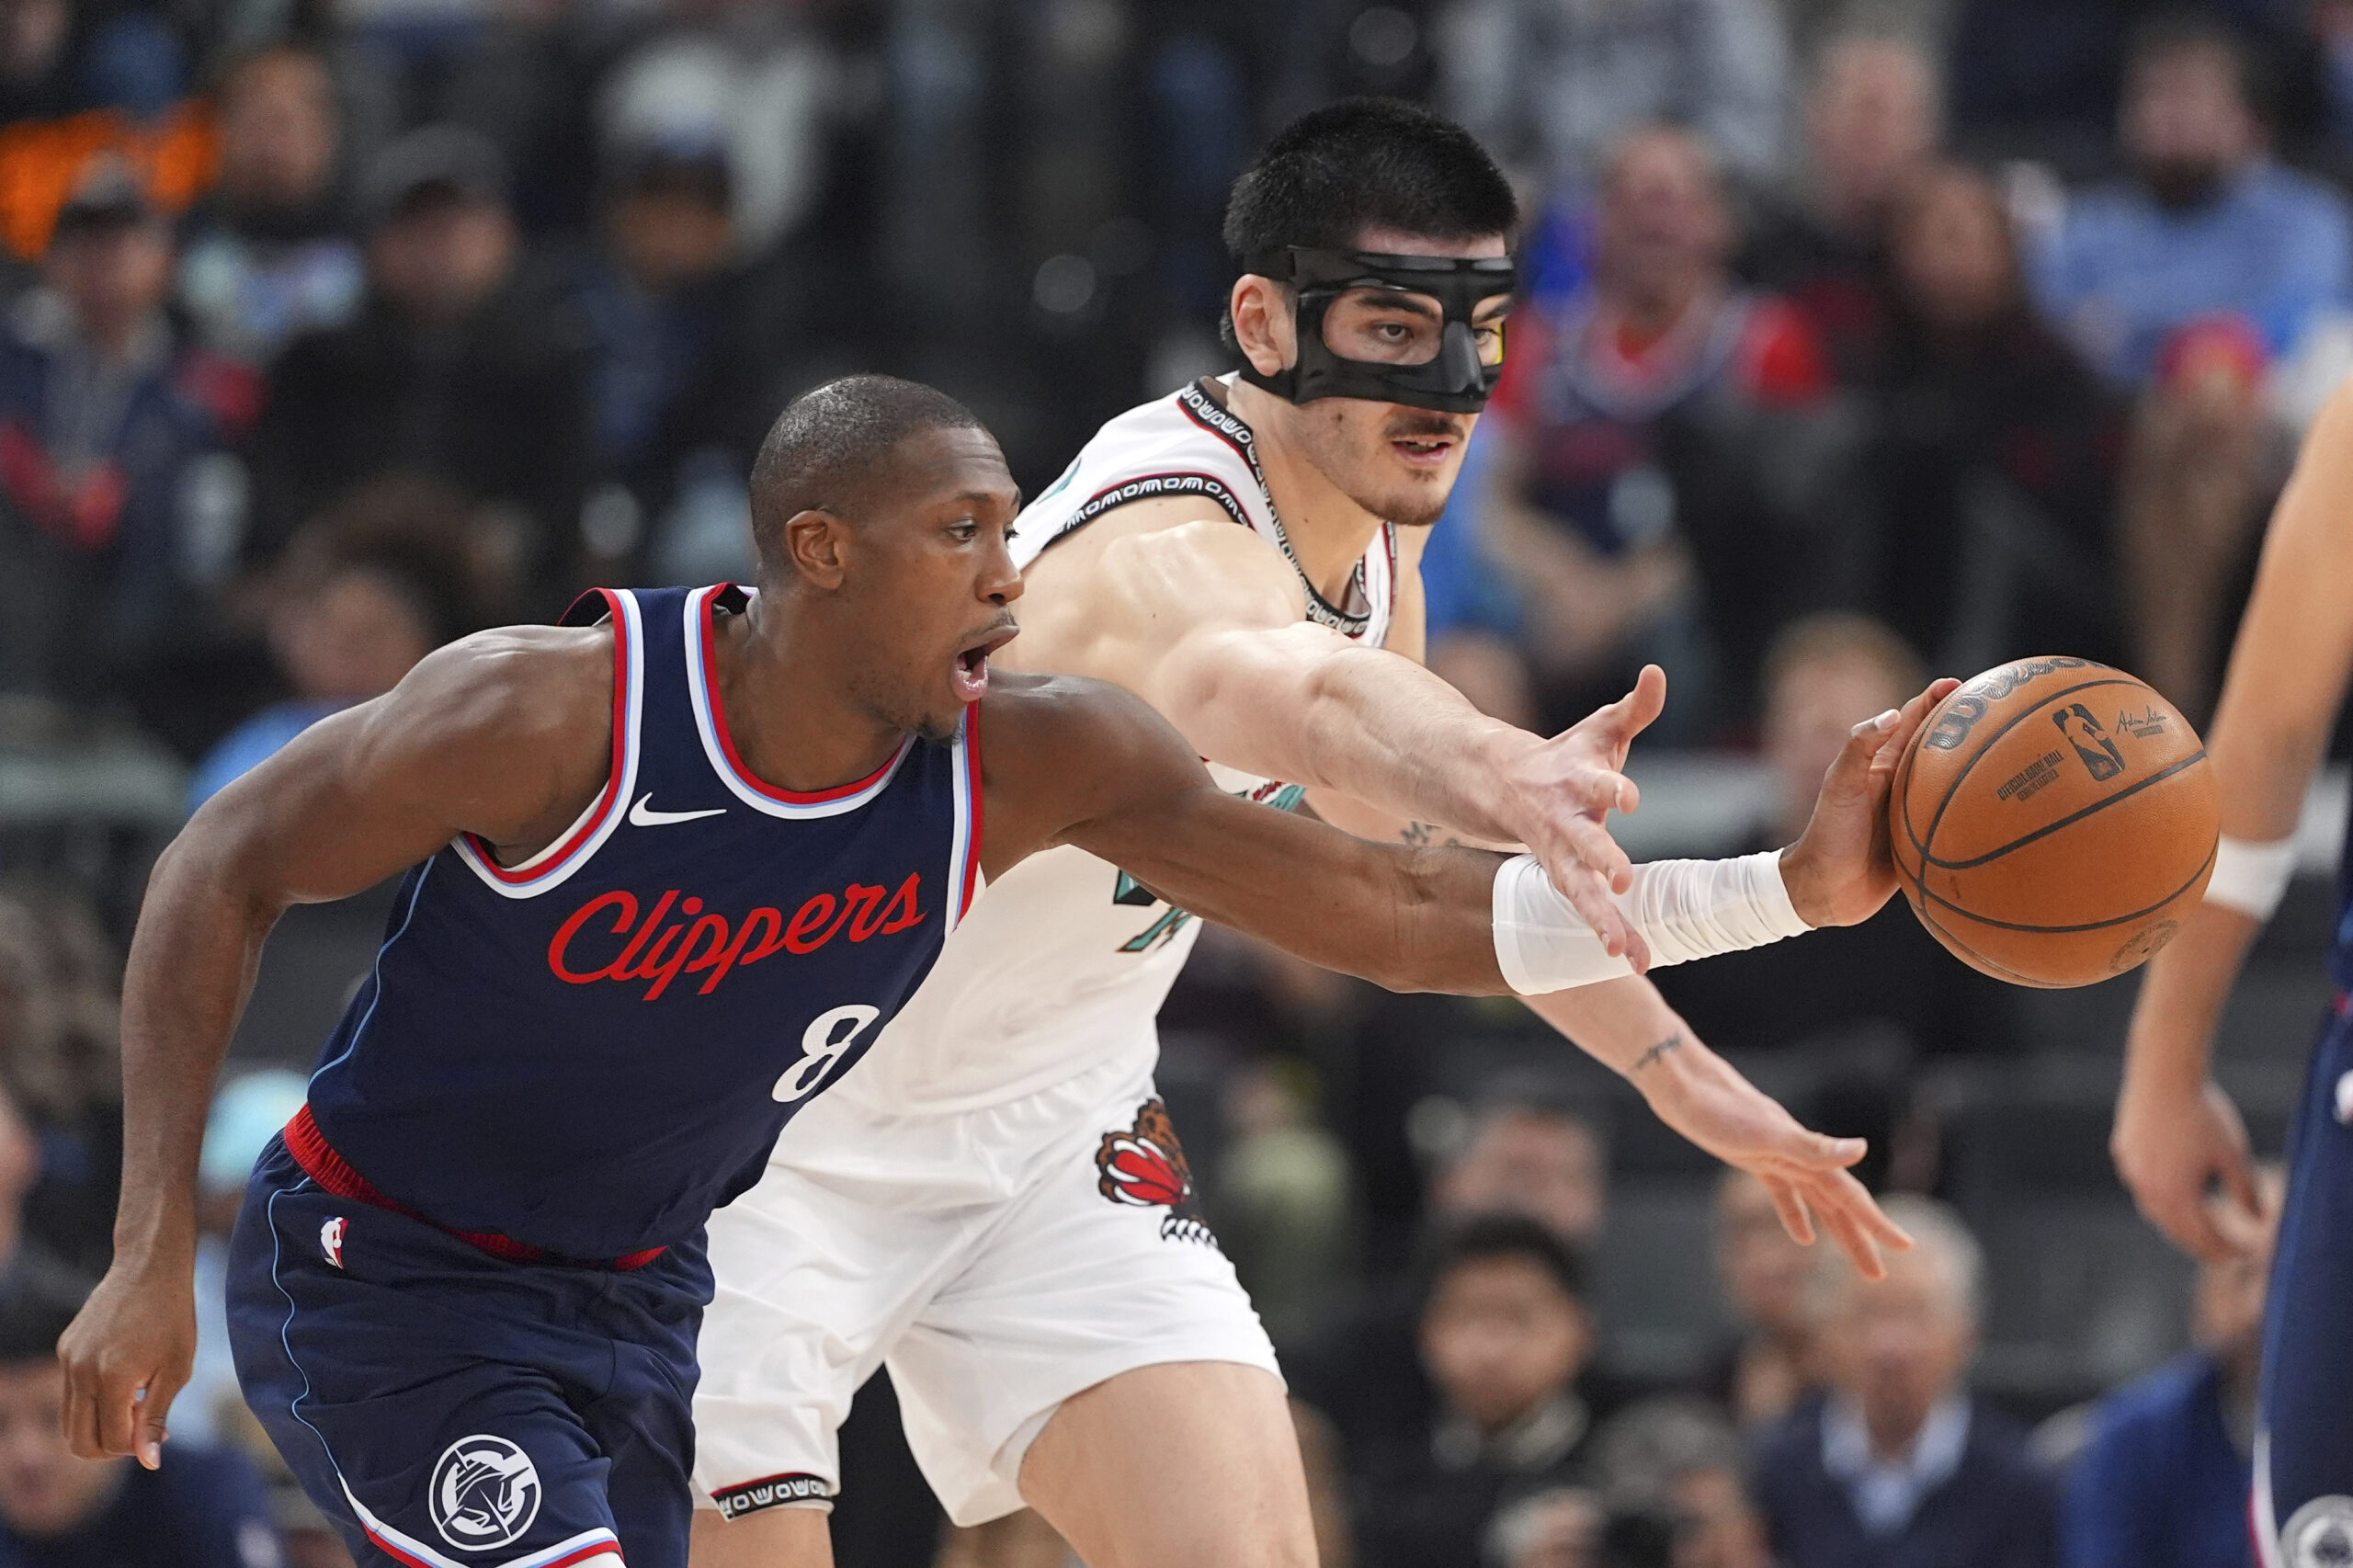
[(485, 1493), (772, 1492), (1144, 1167), (2319, 1535), (331, 1241)]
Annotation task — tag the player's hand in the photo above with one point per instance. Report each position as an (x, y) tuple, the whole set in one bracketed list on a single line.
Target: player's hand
[(1842, 867), (2184, 1156), (1560, 795), (1700, 1096), (127, 1354)]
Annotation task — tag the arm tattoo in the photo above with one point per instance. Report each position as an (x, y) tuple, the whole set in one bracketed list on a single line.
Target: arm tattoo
[(1423, 834), (1661, 1049)]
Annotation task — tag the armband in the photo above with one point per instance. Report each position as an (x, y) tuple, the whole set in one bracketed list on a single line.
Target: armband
[(2251, 877), (1684, 909)]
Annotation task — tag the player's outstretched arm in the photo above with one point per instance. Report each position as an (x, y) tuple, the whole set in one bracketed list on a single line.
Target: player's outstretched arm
[(1204, 621), (2178, 1137), (499, 735), (1072, 761)]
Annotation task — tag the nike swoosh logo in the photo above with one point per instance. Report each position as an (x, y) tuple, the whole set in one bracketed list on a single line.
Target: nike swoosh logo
[(642, 814)]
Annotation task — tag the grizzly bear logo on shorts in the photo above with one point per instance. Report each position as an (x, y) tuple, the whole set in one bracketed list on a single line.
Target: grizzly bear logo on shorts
[(1144, 1167)]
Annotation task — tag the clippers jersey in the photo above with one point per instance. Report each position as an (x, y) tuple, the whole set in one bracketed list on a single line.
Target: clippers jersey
[(589, 1053), (1063, 966)]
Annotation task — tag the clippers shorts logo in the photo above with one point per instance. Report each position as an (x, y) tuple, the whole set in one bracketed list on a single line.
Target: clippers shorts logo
[(1144, 1167), (485, 1493), (772, 1492), (2319, 1535), (331, 1241)]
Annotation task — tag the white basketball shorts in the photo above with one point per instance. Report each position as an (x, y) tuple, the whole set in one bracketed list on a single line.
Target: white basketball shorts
[(999, 1261)]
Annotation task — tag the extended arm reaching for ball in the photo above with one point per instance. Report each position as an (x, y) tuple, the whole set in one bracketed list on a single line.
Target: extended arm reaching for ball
[(2179, 1141)]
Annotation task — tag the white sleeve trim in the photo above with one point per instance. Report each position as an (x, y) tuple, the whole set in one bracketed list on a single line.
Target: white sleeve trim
[(1683, 909)]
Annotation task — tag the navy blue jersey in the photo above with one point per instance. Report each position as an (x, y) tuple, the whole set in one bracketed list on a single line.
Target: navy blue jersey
[(586, 1054)]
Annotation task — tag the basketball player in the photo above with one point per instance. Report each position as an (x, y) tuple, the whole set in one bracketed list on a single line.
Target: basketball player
[(667, 876), (2178, 1141), (997, 1206)]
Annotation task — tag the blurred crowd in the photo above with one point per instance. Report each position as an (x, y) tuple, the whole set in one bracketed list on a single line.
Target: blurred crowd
[(1861, 339)]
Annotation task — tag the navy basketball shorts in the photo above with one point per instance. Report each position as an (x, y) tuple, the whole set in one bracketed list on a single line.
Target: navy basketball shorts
[(449, 1409), (2302, 1507)]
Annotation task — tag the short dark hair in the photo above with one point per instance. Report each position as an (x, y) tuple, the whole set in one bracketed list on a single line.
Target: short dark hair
[(1335, 171), (830, 441), (1486, 1236), (2181, 30)]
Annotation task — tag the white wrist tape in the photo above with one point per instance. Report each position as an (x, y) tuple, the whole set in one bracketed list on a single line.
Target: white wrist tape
[(2251, 877), (1684, 909)]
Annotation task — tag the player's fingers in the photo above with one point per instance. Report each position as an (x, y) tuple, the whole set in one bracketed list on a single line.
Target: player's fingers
[(1840, 1191), (118, 1414), (1909, 718), (1811, 1150), (1852, 1237), (2184, 1220), (1589, 840), (1792, 1208), (152, 1414), (79, 1417)]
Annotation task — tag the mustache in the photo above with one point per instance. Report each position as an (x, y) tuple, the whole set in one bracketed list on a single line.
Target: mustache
[(1418, 426)]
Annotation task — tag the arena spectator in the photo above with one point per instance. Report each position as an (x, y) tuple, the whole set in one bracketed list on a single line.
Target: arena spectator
[(1523, 1154), (1993, 447), (108, 466), (1676, 1465), (1770, 1367), (2205, 227), (205, 1508), (267, 255), (453, 370), (1550, 88), (1504, 1333), (1660, 482), (61, 1069), (2186, 283), (1873, 113), (1537, 1157), (1884, 980), (362, 595), (2164, 1482), (1900, 1466)]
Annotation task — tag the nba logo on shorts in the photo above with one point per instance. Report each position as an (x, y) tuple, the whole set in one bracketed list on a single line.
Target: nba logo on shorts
[(331, 1241), (485, 1493)]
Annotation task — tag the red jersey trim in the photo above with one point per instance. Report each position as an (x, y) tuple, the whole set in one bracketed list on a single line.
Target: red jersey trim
[(708, 663), (322, 1163), (540, 865)]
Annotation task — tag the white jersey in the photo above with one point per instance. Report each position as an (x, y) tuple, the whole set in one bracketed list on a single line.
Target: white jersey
[(1060, 968)]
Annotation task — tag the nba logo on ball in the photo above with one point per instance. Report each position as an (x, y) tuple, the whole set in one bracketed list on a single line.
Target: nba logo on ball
[(331, 1241), (485, 1493), (2319, 1535)]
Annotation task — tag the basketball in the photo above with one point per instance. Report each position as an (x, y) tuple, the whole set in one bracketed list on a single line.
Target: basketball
[(2053, 821)]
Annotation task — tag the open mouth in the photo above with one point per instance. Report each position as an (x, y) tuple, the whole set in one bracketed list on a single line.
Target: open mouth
[(969, 673), (1422, 450)]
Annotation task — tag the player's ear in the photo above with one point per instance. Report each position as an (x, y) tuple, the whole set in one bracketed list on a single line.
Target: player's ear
[(1263, 323), (814, 542)]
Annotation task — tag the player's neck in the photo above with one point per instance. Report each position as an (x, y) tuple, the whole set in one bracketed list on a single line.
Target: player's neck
[(1328, 532), (790, 704)]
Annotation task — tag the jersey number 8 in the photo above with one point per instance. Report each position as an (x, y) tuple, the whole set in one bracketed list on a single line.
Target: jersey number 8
[(822, 1045)]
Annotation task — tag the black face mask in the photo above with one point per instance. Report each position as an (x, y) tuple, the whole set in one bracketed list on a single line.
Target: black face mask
[(1446, 375)]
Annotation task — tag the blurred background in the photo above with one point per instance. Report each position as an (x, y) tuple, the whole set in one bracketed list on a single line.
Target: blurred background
[(1862, 341)]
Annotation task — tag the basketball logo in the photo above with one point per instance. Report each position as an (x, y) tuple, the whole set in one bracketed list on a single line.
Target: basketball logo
[(485, 1493), (331, 1241), (2091, 743), (2319, 1535)]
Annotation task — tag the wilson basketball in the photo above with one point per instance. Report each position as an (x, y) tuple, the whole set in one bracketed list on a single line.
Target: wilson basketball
[(2053, 821)]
